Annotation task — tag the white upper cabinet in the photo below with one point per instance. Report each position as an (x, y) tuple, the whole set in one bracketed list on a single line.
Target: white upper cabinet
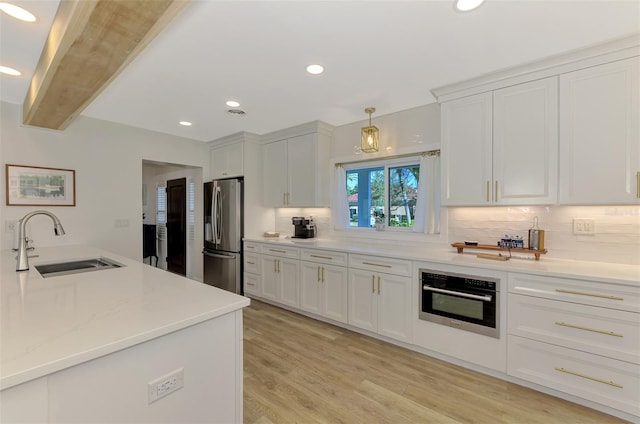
[(525, 143), (600, 134), (296, 171), (467, 150), (227, 161), (500, 147)]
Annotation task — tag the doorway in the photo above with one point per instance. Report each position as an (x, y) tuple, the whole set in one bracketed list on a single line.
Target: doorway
[(176, 226)]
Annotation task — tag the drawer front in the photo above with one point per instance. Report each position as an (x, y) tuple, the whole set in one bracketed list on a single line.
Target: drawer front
[(251, 247), (380, 264), (626, 298), (325, 256), (251, 284), (252, 263), (281, 251), (592, 329), (603, 380)]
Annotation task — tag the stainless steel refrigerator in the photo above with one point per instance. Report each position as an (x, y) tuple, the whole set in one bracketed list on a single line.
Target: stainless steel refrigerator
[(223, 231)]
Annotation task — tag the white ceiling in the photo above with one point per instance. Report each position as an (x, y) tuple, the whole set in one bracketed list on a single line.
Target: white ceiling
[(386, 54)]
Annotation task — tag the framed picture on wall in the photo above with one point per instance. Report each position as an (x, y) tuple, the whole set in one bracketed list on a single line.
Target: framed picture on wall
[(38, 186)]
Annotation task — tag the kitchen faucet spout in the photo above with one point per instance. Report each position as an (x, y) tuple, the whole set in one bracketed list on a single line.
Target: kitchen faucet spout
[(23, 258)]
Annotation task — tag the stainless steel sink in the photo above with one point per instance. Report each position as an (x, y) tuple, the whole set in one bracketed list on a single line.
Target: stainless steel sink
[(76, 267)]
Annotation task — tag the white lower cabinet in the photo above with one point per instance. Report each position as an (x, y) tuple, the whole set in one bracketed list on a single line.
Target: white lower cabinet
[(380, 303), (280, 279), (578, 337), (606, 381), (323, 290)]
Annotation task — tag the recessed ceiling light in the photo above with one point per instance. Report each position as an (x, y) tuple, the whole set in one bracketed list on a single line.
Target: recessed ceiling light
[(232, 103), (185, 123), (17, 12), (9, 71), (315, 69), (467, 5)]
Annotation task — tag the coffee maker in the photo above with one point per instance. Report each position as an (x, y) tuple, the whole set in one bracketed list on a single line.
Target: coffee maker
[(304, 228)]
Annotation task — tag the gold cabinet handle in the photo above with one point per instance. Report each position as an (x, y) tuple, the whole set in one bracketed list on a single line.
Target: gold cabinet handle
[(318, 276), (604, 296), (250, 247), (588, 377), (579, 327), (488, 189), (378, 284), (638, 184), (275, 269), (495, 193), (278, 266), (373, 284), (277, 251), (321, 257), (323, 274), (374, 264), (284, 198), (250, 284), (251, 263)]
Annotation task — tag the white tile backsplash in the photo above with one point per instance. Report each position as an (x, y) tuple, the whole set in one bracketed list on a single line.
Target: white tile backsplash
[(617, 237), (321, 216)]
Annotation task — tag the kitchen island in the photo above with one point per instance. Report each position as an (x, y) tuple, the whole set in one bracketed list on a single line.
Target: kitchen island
[(129, 344)]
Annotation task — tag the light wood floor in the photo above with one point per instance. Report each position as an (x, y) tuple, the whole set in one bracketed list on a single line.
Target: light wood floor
[(299, 370)]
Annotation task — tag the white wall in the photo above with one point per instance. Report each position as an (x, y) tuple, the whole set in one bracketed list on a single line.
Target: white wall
[(617, 238), (107, 158)]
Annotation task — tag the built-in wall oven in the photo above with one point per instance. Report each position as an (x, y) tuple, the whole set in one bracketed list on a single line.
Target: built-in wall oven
[(462, 301)]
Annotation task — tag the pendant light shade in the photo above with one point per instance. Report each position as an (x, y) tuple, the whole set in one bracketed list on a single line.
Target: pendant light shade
[(370, 136)]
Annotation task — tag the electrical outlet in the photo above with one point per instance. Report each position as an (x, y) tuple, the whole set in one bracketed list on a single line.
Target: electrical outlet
[(584, 226), (10, 225), (165, 385)]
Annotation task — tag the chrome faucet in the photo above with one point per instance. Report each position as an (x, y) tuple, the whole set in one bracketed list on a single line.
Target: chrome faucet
[(22, 258)]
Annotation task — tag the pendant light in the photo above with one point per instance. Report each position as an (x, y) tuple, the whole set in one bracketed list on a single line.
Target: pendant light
[(370, 136)]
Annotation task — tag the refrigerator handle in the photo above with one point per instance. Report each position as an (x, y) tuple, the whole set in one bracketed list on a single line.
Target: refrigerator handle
[(218, 255), (218, 215)]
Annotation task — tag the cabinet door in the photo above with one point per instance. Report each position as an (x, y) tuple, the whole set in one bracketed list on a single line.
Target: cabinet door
[(269, 278), (525, 143), (363, 301), (599, 134), (288, 281), (394, 306), (334, 292), (227, 161), (275, 174), (466, 151), (301, 159), (310, 280)]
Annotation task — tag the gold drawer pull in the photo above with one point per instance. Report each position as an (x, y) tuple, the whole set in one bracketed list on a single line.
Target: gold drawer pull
[(321, 257), (373, 284), (588, 377), (250, 247), (604, 296), (578, 327), (251, 263), (250, 284), (488, 189), (277, 251), (374, 264), (495, 194)]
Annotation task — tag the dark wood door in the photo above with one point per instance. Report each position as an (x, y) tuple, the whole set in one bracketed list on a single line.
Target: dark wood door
[(176, 226)]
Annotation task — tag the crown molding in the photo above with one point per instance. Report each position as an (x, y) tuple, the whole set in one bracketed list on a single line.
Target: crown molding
[(239, 137), (298, 130), (618, 49)]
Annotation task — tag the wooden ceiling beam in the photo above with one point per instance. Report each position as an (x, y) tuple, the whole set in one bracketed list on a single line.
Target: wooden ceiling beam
[(90, 43)]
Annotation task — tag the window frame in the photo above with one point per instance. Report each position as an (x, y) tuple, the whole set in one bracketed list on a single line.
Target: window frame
[(386, 164)]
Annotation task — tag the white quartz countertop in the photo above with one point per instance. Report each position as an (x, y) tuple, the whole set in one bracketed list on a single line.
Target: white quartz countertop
[(48, 324), (446, 254)]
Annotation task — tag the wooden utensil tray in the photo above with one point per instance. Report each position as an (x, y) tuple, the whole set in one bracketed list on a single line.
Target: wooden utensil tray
[(462, 246)]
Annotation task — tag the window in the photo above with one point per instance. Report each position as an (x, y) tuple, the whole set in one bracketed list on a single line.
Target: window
[(161, 205), (401, 193)]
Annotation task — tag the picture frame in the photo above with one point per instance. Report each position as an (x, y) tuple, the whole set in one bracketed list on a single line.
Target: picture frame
[(40, 186)]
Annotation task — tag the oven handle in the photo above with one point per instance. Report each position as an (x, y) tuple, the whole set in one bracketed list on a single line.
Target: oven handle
[(485, 298)]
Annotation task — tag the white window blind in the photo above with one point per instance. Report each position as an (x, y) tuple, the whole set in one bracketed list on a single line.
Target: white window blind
[(161, 205)]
